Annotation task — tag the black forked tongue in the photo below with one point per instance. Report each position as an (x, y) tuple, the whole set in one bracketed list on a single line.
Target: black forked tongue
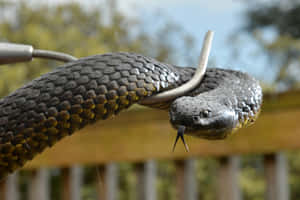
[(180, 134)]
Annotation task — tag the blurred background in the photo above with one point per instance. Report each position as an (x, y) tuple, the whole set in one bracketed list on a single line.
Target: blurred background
[(261, 38)]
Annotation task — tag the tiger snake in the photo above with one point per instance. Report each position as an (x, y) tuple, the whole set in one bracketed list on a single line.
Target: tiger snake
[(59, 103)]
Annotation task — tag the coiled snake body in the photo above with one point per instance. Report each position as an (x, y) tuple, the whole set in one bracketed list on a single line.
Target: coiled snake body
[(60, 102)]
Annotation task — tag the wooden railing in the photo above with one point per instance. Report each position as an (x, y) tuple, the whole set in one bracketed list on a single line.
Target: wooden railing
[(142, 136)]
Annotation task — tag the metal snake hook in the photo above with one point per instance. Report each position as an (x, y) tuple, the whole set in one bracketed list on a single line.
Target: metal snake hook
[(191, 84), (13, 53)]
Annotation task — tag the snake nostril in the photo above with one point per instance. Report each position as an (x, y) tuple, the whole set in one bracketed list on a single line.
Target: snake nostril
[(196, 118)]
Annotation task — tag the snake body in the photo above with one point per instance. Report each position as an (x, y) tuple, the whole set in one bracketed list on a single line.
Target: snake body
[(78, 93)]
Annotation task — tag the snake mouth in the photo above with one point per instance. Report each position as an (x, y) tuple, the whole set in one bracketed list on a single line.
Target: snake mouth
[(214, 127)]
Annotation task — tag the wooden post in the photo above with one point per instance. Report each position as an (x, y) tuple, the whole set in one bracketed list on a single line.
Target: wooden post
[(72, 180), (140, 187), (190, 181), (107, 182), (101, 182), (112, 181), (9, 188), (146, 180), (186, 185), (3, 189), (228, 187), (66, 186), (282, 171), (76, 182), (39, 185), (276, 177), (150, 180)]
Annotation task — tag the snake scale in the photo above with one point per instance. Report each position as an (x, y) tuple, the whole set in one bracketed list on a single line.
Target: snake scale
[(78, 93)]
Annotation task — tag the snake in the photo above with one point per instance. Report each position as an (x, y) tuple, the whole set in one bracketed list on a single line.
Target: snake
[(93, 88)]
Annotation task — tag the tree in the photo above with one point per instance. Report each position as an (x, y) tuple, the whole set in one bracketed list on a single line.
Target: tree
[(280, 19)]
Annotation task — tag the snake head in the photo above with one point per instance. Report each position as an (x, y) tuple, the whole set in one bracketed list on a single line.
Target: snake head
[(206, 118)]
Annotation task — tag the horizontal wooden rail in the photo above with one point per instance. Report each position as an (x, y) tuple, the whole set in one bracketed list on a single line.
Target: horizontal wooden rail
[(143, 134), (281, 101)]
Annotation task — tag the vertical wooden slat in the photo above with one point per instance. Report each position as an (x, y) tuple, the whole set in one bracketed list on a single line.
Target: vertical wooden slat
[(2, 189), (186, 187), (146, 180), (108, 182), (190, 181), (270, 175), (9, 188), (228, 187), (282, 171), (76, 182), (276, 177), (66, 186), (140, 187), (101, 182), (112, 181), (39, 185), (150, 180), (72, 181)]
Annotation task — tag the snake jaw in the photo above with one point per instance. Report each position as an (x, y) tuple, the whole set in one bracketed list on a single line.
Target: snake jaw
[(180, 134)]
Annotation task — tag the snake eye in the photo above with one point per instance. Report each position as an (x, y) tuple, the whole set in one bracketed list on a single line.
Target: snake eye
[(205, 113)]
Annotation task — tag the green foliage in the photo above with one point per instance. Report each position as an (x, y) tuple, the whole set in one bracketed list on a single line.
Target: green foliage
[(207, 178), (127, 182), (252, 177), (281, 20), (294, 174), (166, 180)]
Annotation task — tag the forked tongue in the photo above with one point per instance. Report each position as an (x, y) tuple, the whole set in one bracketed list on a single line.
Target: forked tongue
[(180, 134)]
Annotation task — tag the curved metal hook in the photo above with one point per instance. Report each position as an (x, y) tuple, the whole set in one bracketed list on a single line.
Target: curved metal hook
[(53, 55), (13, 53), (191, 84)]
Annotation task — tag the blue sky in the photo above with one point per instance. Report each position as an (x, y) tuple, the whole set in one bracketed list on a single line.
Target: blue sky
[(196, 17), (222, 16)]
